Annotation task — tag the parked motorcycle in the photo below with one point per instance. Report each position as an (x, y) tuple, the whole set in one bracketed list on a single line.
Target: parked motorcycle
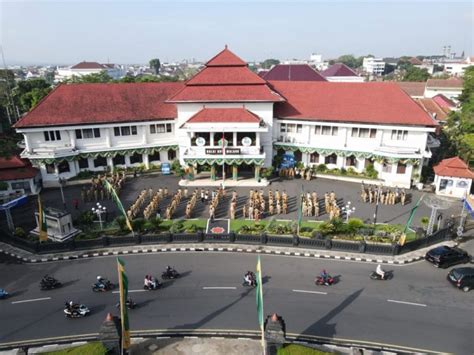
[(49, 283), (170, 274), (321, 282), (103, 286), (3, 293), (76, 311), (375, 276)]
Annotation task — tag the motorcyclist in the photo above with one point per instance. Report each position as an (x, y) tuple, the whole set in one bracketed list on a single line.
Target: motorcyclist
[(146, 282), (324, 276), (169, 270), (48, 279), (101, 282), (248, 278), (379, 271), (151, 281)]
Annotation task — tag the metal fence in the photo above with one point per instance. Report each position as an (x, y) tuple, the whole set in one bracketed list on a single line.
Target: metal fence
[(232, 238)]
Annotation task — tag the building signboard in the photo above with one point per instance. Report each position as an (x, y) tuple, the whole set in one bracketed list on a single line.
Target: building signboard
[(217, 151)]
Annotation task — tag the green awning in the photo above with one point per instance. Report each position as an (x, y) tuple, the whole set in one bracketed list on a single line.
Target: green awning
[(221, 161)]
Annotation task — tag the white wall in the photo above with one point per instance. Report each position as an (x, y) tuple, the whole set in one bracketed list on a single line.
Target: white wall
[(457, 187)]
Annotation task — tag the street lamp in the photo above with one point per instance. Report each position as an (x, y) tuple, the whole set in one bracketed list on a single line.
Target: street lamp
[(348, 210), (99, 211)]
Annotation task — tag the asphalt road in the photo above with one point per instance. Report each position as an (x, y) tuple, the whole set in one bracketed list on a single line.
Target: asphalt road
[(417, 308)]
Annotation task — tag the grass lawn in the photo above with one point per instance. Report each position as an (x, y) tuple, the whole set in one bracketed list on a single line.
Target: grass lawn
[(294, 349), (411, 235), (235, 224), (95, 348), (200, 223)]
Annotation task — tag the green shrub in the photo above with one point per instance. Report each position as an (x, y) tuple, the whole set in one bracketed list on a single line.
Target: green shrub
[(86, 174), (120, 222), (351, 171), (321, 168), (326, 228), (138, 225), (371, 172), (343, 171), (177, 226), (86, 219), (354, 225), (424, 221), (267, 172), (155, 223), (19, 232)]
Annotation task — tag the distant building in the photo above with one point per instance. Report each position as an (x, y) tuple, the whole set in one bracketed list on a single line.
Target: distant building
[(292, 72), (18, 177), (85, 68), (373, 66), (438, 107), (340, 72), (415, 89), (451, 88), (453, 178)]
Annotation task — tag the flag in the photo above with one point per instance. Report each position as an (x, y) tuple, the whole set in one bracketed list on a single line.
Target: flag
[(123, 284), (118, 203), (412, 214), (42, 226), (260, 298)]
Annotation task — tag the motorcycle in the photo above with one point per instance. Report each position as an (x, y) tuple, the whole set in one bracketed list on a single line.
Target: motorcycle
[(3, 293), (103, 286), (387, 276), (253, 281), (170, 274), (157, 285), (49, 283), (76, 311), (130, 304), (319, 281)]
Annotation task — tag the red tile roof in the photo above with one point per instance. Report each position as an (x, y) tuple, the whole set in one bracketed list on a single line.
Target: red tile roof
[(454, 167), (89, 65), (453, 83), (430, 106), (226, 93), (338, 69), (74, 104), (381, 103), (443, 101), (228, 115), (415, 61), (293, 72), (225, 76), (412, 88), (16, 169), (225, 58)]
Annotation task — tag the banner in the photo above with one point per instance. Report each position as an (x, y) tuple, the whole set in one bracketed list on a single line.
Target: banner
[(42, 226), (118, 203), (123, 284)]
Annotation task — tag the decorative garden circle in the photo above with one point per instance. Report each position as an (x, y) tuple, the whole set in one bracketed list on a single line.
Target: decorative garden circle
[(217, 230)]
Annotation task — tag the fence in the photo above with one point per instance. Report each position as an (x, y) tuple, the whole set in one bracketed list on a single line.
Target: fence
[(232, 238)]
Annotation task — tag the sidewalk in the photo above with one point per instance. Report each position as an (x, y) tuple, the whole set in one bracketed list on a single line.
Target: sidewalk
[(220, 247)]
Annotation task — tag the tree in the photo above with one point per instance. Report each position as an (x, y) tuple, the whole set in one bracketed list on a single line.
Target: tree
[(101, 77), (416, 74), (155, 65), (351, 61), (28, 93), (268, 63)]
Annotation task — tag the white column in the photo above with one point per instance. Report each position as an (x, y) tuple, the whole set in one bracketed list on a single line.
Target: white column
[(110, 163), (127, 160), (72, 138), (27, 143), (144, 134), (211, 143), (146, 161), (234, 139), (107, 137), (257, 139)]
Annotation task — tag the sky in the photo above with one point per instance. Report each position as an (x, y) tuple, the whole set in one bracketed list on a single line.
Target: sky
[(67, 32)]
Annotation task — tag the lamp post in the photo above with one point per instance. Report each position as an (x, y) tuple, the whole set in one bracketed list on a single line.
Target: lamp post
[(348, 210), (99, 211)]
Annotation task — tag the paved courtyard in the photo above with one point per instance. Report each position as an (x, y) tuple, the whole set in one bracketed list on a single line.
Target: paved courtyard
[(345, 192)]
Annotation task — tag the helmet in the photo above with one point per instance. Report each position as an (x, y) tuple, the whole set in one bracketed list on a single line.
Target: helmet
[(324, 271), (71, 303), (98, 278)]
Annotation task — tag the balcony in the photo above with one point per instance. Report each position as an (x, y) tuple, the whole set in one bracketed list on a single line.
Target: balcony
[(208, 151)]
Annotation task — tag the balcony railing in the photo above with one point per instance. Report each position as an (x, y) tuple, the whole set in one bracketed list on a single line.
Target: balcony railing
[(208, 150)]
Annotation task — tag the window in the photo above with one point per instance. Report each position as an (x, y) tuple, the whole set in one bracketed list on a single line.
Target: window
[(351, 160), (78, 134), (331, 159), (136, 158), (364, 132), (314, 158), (334, 131), (317, 130), (100, 161), (52, 136), (169, 127), (299, 128), (83, 163), (63, 167), (399, 135), (87, 133), (401, 168), (50, 169), (96, 133), (171, 155), (291, 128), (21, 185), (282, 127), (118, 160), (326, 130), (154, 157), (161, 128), (125, 131), (387, 167)]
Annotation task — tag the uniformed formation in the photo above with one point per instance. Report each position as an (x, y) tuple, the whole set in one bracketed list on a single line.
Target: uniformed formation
[(175, 200), (152, 207), (217, 195), (233, 205), (310, 204), (191, 203), (290, 173), (256, 207), (384, 195), (330, 205), (97, 191)]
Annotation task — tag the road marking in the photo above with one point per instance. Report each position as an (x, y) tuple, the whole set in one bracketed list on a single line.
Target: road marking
[(219, 288), (130, 291), (410, 303), (33, 300), (316, 292)]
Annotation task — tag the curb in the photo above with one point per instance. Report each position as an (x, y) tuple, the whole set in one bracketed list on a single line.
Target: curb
[(211, 249)]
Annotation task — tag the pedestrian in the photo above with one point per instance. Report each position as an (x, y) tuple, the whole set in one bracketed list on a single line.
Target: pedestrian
[(202, 195)]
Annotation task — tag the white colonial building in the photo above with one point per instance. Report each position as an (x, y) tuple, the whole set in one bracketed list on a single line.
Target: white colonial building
[(86, 68), (226, 118), (373, 66)]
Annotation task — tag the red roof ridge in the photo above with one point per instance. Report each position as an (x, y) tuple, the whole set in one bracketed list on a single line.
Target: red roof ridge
[(225, 58), (453, 166)]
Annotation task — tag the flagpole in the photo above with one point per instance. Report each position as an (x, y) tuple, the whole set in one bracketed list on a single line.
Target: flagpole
[(260, 312), (121, 305), (223, 159)]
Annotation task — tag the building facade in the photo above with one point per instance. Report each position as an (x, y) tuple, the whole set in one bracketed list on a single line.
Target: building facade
[(228, 120), (373, 66)]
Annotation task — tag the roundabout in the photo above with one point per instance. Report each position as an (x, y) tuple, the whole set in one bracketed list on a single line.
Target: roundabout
[(416, 309)]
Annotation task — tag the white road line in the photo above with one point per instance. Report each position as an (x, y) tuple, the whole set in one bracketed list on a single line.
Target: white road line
[(32, 300), (316, 292), (219, 288), (130, 291), (410, 303)]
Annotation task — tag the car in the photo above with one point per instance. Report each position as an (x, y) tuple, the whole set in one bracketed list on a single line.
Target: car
[(445, 256), (462, 278)]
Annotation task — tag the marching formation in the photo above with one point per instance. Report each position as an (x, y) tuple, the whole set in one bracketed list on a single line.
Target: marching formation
[(383, 195), (97, 191), (256, 207)]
